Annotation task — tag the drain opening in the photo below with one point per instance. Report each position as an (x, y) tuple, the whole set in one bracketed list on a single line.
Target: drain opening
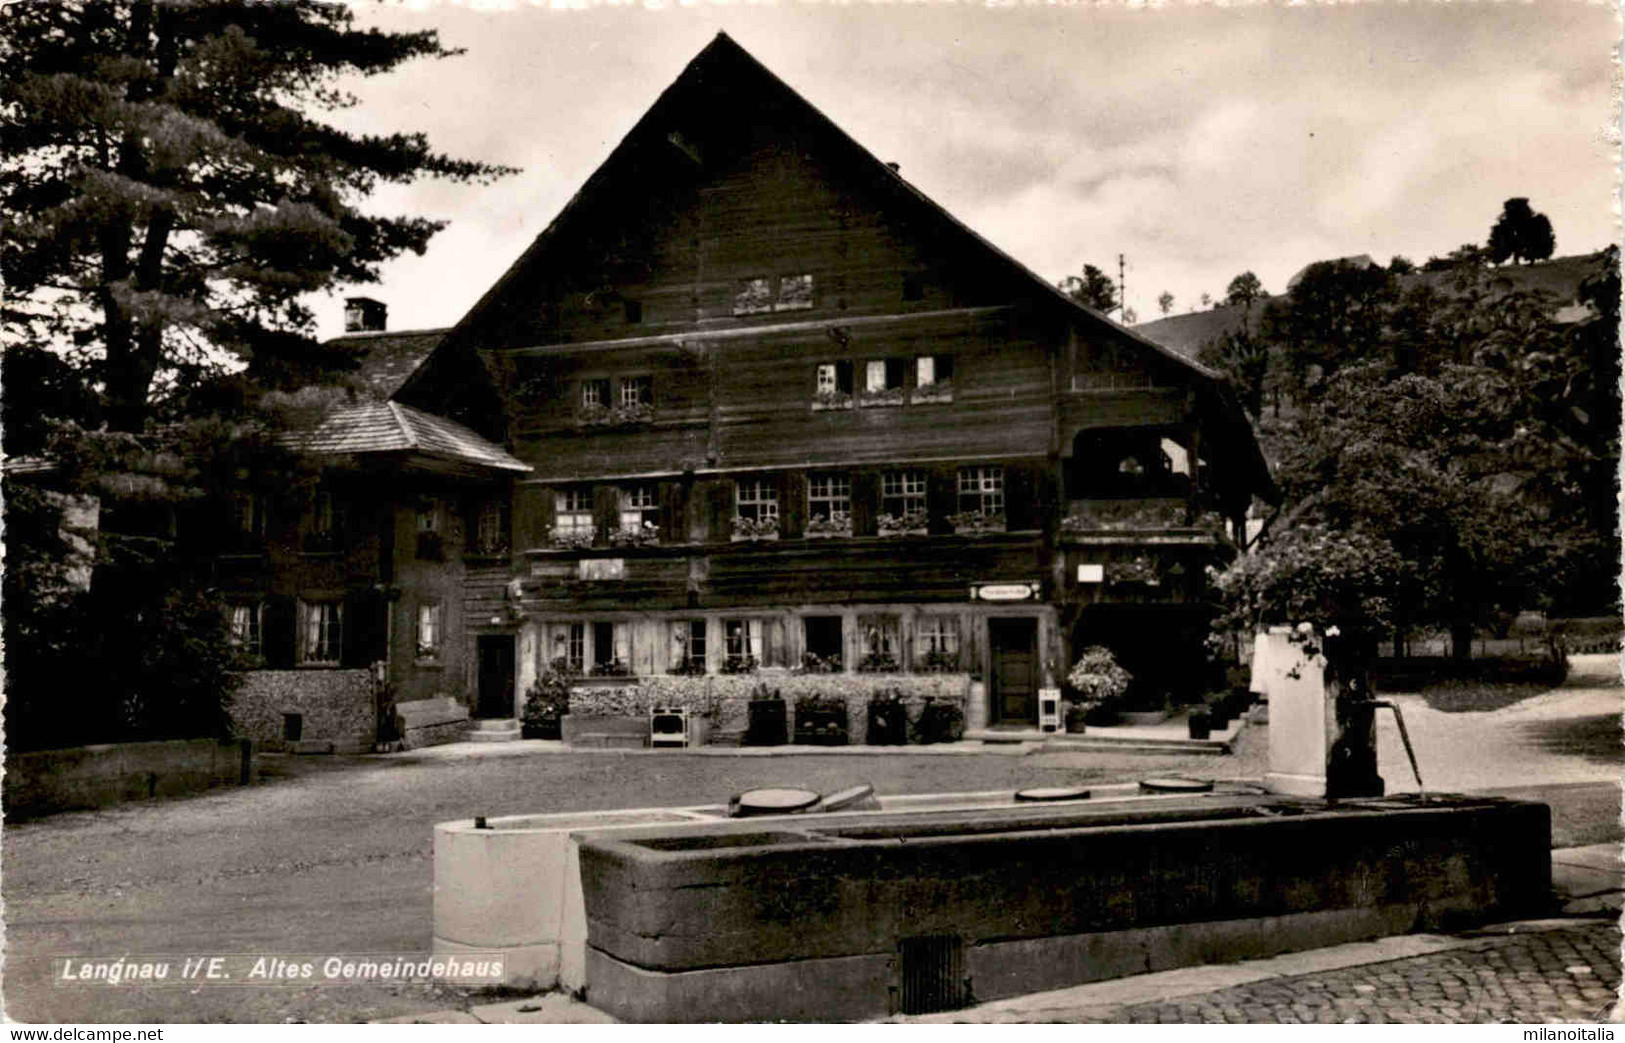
[(933, 972)]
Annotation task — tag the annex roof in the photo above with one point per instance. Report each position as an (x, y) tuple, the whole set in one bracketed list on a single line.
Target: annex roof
[(391, 427)]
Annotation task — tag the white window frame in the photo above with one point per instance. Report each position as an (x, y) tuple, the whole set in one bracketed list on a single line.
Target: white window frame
[(321, 632), (832, 491), (637, 390), (902, 492), (828, 382), (982, 489), (640, 507), (742, 637), (573, 511), (935, 634), (431, 631), (686, 634), (761, 504), (248, 627), (595, 391)]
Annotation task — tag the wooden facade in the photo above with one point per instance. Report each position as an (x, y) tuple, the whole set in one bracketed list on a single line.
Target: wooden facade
[(743, 315), (780, 410)]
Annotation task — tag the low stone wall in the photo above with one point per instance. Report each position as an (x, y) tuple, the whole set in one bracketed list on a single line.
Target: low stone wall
[(726, 697), (431, 722), (335, 706), (44, 781)]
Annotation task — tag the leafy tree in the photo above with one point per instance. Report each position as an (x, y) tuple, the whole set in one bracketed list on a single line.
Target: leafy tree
[(1399, 264), (1243, 290), (1207, 300), (1095, 290), (1335, 314), (1521, 234), (1244, 358), (1165, 302), (170, 196)]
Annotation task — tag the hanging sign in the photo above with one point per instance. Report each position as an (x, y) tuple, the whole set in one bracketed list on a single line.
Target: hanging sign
[(601, 568), (1005, 591), (1091, 573)]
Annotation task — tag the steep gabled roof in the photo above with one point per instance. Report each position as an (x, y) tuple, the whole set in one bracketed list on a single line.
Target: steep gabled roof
[(723, 57), (391, 427)]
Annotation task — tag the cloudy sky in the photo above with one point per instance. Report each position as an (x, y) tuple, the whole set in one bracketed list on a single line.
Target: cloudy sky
[(1198, 141)]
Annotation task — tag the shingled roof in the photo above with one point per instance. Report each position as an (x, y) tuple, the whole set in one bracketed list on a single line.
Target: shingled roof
[(388, 357), (390, 427)]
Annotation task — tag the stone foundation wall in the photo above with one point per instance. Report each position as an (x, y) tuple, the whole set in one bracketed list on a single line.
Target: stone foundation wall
[(335, 705), (44, 781)]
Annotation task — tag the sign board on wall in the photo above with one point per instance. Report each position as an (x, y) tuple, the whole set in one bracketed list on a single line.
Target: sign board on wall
[(1004, 591), (1091, 573), (601, 568)]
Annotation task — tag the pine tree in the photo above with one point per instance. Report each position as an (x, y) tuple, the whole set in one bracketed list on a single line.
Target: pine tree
[(168, 196)]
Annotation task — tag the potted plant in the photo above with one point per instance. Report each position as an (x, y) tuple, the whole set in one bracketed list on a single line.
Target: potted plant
[(1218, 710), (1201, 725), (1098, 682), (765, 718), (939, 722), (740, 664), (888, 719), (820, 721), (547, 700), (1076, 717)]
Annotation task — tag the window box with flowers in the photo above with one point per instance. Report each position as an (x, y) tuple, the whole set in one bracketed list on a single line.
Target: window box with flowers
[(879, 397), (941, 391), (878, 662), (909, 523), (1139, 570), (976, 523), (812, 663), (839, 523), (938, 661), (645, 535), (829, 399), (621, 414), (612, 668), (740, 664), (753, 529), (569, 539)]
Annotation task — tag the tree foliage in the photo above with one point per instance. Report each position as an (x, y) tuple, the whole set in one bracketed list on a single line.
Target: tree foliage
[(1165, 302), (1244, 290), (169, 195), (1521, 234), (1456, 430), (1094, 290)]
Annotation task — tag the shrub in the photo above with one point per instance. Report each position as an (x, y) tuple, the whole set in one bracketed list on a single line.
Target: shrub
[(1097, 679)]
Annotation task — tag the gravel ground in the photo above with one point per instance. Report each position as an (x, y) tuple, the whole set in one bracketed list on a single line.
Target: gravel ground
[(333, 854)]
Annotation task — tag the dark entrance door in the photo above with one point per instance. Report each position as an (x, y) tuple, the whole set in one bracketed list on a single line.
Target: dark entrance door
[(1014, 670), (496, 676)]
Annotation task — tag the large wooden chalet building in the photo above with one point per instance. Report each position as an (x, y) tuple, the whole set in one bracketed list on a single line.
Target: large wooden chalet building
[(775, 403)]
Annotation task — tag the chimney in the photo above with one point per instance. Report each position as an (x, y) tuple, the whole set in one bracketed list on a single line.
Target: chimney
[(365, 315)]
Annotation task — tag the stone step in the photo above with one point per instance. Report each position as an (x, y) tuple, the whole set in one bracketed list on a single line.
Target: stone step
[(510, 733), (609, 741), (494, 724)]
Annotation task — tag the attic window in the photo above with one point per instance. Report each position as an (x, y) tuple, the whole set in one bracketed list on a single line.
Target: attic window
[(795, 293), (767, 294), (754, 297)]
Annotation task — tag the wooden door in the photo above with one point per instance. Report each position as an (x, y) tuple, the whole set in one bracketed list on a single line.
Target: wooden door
[(1013, 651), (496, 676)]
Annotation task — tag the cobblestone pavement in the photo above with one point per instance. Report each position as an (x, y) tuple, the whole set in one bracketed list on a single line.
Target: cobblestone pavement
[(1569, 974)]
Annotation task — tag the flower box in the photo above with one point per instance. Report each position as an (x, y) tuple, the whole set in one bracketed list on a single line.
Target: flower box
[(942, 391), (975, 523), (836, 525), (913, 523), (628, 415), (886, 397), (831, 400), (750, 529)]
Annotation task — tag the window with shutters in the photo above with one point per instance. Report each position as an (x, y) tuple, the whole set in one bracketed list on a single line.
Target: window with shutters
[(829, 505), (883, 381), (742, 643), (756, 509), (933, 379), (936, 644), (321, 632), (640, 511), (572, 517), (832, 386), (687, 646), (902, 503), (247, 622), (981, 500), (611, 649)]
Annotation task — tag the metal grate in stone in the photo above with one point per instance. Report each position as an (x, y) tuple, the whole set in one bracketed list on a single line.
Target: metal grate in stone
[(933, 972)]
